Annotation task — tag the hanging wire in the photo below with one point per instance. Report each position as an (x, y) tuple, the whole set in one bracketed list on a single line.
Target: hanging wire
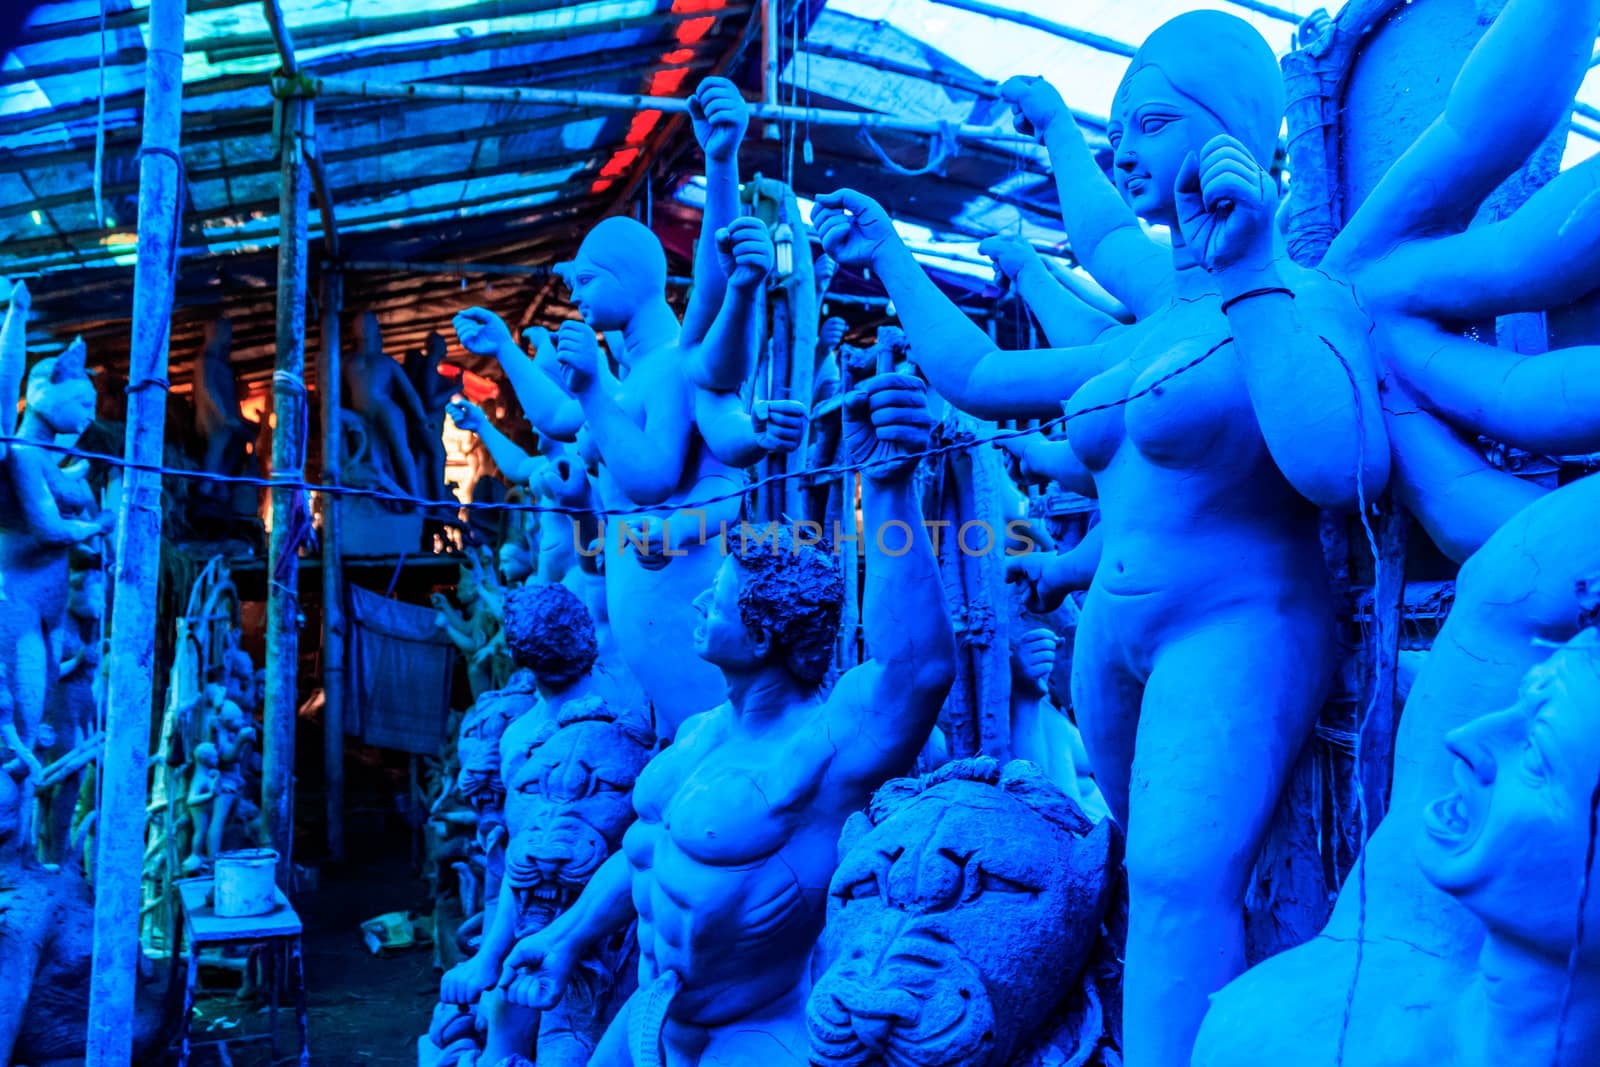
[(100, 130)]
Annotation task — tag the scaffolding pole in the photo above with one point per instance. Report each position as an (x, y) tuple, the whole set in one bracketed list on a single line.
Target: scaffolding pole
[(333, 620), (288, 462), (124, 769), (636, 102)]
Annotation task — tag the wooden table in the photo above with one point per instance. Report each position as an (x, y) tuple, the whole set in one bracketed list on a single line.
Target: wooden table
[(279, 930)]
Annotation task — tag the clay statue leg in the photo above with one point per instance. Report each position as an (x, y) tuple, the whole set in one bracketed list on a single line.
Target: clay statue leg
[(1106, 699), (391, 431), (221, 810), (30, 680), (1226, 711)]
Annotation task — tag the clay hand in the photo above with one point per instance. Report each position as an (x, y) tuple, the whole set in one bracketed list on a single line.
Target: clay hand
[(1033, 657), (1226, 204), (1032, 571), (887, 424), (831, 333), (578, 354), (549, 964), (543, 340), (566, 481), (744, 248), (824, 270), (1010, 254), (1314, 27), (467, 981), (482, 332), (853, 226), (779, 424), (1018, 448), (720, 116), (1035, 105), (466, 415), (21, 298)]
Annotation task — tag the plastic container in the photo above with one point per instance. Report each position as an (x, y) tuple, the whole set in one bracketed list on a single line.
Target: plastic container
[(243, 881)]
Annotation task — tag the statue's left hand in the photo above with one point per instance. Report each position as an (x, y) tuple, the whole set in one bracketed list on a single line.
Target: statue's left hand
[(744, 248), (482, 332), (720, 115), (887, 425), (1226, 204), (853, 226), (466, 415), (578, 354), (780, 424)]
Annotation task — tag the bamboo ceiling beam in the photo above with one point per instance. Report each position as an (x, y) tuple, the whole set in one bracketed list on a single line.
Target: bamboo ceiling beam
[(1099, 42)]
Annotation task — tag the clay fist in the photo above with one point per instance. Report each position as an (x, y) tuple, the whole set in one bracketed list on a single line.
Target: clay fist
[(887, 425), (481, 331), (1226, 204), (578, 354), (720, 116), (466, 415), (779, 424), (1011, 255), (1035, 105), (853, 226), (744, 248)]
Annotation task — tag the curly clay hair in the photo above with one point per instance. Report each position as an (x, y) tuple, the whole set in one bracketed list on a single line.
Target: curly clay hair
[(549, 631), (792, 593)]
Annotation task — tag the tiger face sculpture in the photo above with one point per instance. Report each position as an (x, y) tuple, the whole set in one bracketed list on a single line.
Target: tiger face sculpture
[(568, 805), (964, 909), (478, 743)]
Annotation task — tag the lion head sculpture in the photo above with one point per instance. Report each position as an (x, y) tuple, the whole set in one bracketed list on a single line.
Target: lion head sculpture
[(964, 909), (478, 744), (569, 803)]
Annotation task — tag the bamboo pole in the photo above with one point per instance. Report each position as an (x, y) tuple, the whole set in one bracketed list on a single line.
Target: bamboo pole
[(1034, 22), (334, 627), (636, 102), (135, 575), (288, 459)]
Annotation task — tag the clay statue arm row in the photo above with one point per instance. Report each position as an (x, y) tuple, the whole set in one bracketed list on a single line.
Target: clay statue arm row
[(469, 979), (884, 709), (1545, 255), (1445, 483), (1053, 460), (960, 360), (1545, 403), (13, 356), (719, 116), (1536, 54), (1106, 235)]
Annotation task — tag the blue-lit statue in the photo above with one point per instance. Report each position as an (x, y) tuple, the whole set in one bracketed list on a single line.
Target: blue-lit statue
[(1241, 402), (46, 508), (673, 430), (728, 865)]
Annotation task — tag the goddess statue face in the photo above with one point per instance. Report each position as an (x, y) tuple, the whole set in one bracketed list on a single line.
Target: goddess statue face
[(1510, 841), (1152, 131), (619, 269), (958, 923)]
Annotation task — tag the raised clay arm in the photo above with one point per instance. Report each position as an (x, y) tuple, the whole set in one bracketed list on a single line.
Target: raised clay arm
[(1054, 460), (1065, 319), (1106, 235), (960, 360), (518, 467), (1516, 85), (719, 116), (726, 356), (548, 405), (882, 711)]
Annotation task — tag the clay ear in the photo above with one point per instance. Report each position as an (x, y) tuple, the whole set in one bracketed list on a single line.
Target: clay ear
[(70, 365)]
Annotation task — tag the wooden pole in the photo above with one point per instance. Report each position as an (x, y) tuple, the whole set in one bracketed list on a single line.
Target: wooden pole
[(135, 574), (288, 462), (333, 620)]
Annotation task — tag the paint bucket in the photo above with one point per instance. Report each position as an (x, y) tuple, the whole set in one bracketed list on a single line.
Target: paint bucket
[(243, 881)]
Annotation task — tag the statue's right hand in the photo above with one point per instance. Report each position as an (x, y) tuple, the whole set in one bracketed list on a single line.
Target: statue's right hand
[(466, 415), (467, 981), (537, 970), (1029, 571), (830, 334), (578, 354), (482, 332), (1035, 105), (853, 226), (1010, 254)]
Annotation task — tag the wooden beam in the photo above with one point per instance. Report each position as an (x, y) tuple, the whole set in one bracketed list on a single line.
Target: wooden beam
[(123, 773)]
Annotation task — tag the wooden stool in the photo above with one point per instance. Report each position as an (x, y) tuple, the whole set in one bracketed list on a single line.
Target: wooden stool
[(278, 931)]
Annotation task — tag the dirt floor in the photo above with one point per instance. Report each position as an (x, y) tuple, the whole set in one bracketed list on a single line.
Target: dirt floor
[(363, 1009)]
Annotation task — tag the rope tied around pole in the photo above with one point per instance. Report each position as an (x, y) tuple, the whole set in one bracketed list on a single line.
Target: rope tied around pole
[(945, 146)]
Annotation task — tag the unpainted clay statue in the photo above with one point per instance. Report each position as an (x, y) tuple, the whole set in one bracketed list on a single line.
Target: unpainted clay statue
[(564, 784), (673, 432), (46, 508), (475, 628), (1241, 403), (433, 391), (965, 907), (226, 433), (727, 866), (73, 705), (377, 389)]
